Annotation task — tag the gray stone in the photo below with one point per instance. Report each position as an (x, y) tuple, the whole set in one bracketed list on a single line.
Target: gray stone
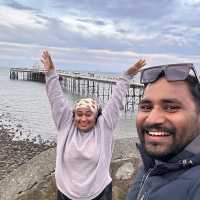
[(28, 175), (125, 171), (125, 148), (118, 193), (34, 180)]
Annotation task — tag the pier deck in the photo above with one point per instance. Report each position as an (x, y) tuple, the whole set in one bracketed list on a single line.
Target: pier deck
[(84, 84)]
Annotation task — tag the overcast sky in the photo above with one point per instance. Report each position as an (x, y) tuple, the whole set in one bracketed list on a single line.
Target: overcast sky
[(99, 35)]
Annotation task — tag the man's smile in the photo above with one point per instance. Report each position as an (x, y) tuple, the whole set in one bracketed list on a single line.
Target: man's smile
[(157, 133)]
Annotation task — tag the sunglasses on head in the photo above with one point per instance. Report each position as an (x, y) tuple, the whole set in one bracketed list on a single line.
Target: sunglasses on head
[(172, 72)]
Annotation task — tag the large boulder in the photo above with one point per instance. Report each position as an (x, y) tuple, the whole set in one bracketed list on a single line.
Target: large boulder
[(35, 179)]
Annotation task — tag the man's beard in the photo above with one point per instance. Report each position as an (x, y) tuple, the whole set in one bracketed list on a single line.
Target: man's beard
[(170, 151)]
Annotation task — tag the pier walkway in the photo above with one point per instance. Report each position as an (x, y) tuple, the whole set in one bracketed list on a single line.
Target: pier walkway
[(84, 84)]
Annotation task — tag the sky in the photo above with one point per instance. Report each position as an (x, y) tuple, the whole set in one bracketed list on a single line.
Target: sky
[(99, 35)]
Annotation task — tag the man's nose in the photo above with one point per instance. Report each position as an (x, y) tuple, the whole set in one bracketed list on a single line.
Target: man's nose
[(155, 116)]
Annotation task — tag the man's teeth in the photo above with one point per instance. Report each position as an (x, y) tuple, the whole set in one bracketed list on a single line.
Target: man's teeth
[(156, 133)]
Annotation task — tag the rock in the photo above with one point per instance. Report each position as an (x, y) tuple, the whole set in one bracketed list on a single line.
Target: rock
[(126, 171), (36, 176), (34, 180), (19, 126), (118, 193)]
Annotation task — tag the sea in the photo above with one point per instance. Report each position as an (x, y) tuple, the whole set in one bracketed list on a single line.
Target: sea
[(25, 110)]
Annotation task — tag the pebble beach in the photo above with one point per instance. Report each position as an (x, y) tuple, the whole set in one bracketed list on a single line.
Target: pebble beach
[(14, 153)]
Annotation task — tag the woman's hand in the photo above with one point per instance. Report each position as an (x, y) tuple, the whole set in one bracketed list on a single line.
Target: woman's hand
[(47, 62), (136, 67)]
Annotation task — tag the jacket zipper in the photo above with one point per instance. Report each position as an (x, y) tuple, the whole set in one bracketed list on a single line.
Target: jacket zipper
[(144, 180)]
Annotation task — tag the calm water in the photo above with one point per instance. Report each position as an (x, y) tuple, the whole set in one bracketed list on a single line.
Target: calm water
[(24, 107)]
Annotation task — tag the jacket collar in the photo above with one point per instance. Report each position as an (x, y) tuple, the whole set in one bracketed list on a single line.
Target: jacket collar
[(194, 146), (189, 157)]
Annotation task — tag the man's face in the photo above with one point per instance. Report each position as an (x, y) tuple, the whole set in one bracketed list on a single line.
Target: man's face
[(167, 119), (85, 119)]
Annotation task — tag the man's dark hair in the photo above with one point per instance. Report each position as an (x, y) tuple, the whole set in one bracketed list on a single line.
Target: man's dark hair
[(194, 87)]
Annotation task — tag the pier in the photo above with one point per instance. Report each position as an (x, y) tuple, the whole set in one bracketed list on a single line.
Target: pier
[(84, 84)]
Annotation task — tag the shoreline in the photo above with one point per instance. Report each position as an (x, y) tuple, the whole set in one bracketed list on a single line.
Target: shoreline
[(14, 153)]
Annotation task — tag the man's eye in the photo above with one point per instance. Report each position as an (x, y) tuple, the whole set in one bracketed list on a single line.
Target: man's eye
[(145, 107), (171, 108)]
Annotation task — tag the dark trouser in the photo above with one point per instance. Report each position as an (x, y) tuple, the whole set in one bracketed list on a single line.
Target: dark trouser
[(105, 195)]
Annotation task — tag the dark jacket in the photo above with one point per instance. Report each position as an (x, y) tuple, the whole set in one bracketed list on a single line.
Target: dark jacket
[(177, 179)]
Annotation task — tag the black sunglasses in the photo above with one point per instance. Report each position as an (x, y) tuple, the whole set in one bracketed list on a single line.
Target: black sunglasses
[(172, 72)]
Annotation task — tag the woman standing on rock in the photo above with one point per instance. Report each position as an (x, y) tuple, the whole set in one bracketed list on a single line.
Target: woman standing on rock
[(85, 138)]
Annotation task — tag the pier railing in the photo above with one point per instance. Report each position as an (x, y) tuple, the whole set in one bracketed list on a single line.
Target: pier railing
[(84, 84)]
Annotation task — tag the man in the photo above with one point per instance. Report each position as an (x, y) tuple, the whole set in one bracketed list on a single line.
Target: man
[(168, 125)]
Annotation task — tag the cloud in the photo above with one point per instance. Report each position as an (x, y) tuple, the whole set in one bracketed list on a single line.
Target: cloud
[(12, 18), (120, 9), (14, 4), (100, 33), (24, 55)]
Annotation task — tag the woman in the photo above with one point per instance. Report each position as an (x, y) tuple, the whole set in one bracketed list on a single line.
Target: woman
[(85, 138)]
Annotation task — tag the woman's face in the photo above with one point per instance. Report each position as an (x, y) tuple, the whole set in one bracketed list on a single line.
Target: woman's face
[(85, 119)]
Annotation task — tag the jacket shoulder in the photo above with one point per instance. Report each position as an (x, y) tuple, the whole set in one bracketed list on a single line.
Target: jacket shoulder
[(192, 173)]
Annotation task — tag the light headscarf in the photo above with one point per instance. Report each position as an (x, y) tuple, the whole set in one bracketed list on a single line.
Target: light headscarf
[(88, 103)]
